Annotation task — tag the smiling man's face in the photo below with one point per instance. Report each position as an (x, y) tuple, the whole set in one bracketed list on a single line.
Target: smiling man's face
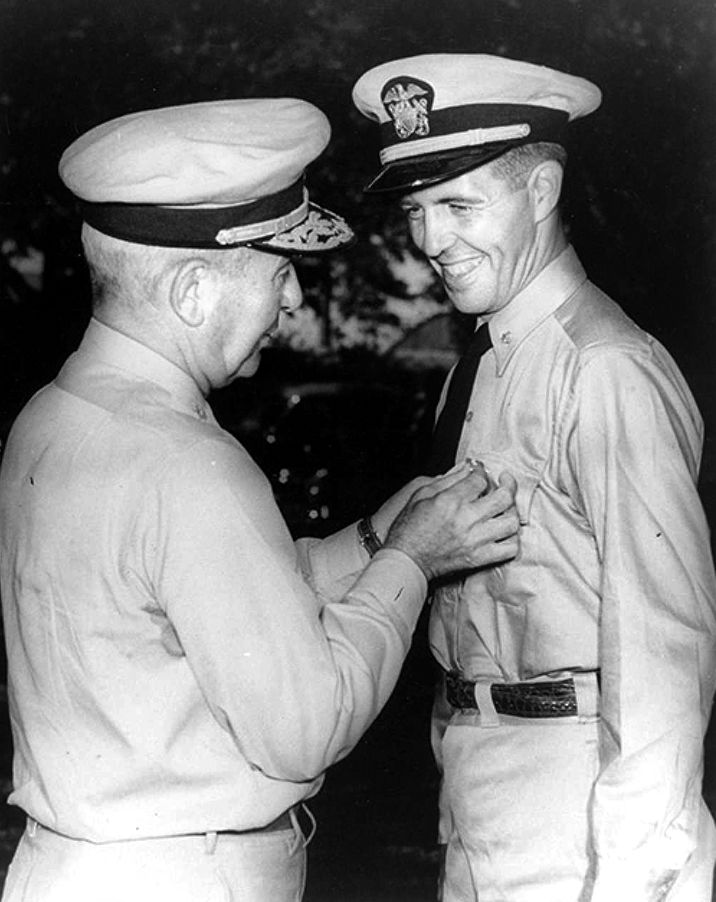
[(480, 236)]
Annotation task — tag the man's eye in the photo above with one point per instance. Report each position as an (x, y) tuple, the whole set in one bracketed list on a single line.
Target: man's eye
[(461, 209), (412, 212)]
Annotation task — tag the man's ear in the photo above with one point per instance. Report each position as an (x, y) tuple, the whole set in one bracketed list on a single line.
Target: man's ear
[(545, 186), (189, 291)]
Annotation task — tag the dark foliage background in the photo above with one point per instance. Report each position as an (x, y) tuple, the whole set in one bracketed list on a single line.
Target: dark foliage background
[(337, 428)]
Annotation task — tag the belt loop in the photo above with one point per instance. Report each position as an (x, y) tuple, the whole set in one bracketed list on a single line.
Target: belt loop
[(586, 693), (483, 696), (31, 827), (210, 841), (293, 814)]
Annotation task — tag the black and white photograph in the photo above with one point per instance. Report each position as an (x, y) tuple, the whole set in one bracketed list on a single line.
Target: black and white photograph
[(357, 450)]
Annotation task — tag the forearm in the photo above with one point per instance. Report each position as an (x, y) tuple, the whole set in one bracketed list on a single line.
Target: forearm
[(297, 683)]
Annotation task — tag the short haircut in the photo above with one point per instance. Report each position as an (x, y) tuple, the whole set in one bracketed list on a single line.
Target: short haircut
[(129, 273), (118, 269), (515, 165)]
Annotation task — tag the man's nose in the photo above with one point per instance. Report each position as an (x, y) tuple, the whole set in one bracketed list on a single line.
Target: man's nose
[(292, 294), (437, 235)]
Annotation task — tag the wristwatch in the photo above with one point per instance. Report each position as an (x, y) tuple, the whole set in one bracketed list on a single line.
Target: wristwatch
[(368, 537)]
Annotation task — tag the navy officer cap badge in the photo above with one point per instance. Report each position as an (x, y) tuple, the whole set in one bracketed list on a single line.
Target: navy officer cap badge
[(443, 114), (218, 174)]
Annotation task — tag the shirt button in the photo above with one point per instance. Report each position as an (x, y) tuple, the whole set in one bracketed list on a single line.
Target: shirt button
[(200, 412), (468, 416), (506, 338)]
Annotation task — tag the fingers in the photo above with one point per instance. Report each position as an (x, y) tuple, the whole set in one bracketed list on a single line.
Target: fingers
[(466, 488), (505, 525), (448, 479), (496, 526), (474, 477), (497, 552), (418, 482), (494, 540), (499, 504), (508, 481), (463, 479), (500, 528), (459, 520)]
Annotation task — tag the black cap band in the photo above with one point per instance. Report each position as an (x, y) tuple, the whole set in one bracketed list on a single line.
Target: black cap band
[(545, 124), (200, 227)]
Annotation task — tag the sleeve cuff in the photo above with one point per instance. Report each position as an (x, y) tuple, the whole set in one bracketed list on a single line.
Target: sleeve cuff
[(395, 579), (343, 552), (338, 564), (333, 563)]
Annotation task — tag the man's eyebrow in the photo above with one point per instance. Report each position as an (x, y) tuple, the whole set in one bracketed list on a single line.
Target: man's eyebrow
[(460, 199), (447, 199)]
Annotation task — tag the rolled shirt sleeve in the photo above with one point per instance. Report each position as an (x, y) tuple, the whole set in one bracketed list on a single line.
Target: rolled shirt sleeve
[(294, 673), (634, 447)]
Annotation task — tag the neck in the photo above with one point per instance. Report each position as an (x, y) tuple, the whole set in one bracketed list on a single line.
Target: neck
[(551, 241), (155, 334)]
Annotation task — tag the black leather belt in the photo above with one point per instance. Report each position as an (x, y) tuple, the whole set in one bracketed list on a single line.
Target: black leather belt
[(542, 699)]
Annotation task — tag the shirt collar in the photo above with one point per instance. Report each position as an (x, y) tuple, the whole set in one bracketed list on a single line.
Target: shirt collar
[(538, 300), (104, 344)]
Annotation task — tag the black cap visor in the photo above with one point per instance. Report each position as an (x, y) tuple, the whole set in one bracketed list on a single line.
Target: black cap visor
[(431, 168)]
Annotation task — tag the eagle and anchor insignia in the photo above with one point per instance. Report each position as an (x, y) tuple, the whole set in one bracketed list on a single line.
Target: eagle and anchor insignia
[(408, 102)]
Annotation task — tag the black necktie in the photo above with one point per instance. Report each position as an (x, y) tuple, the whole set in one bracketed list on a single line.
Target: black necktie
[(452, 417)]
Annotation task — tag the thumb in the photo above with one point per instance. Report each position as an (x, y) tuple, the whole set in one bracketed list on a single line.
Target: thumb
[(508, 481)]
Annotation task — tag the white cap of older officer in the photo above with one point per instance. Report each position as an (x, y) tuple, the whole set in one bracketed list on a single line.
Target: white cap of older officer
[(441, 115), (219, 174)]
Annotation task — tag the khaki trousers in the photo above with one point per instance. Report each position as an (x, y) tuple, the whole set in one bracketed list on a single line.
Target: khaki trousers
[(248, 867), (514, 804)]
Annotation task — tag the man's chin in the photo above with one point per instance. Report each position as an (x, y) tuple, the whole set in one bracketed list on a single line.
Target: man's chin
[(249, 367), (464, 302)]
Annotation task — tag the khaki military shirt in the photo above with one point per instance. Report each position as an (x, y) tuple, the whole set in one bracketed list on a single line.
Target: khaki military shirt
[(176, 663), (594, 420)]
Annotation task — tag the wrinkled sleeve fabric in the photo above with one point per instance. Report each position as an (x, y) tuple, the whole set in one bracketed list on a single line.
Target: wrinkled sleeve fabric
[(634, 442), (295, 678), (331, 565)]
